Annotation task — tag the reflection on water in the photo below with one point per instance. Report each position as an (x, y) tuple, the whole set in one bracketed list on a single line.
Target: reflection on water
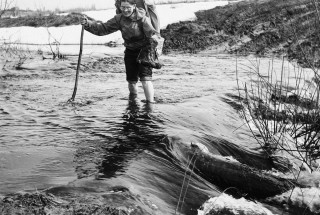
[(136, 134), (123, 141)]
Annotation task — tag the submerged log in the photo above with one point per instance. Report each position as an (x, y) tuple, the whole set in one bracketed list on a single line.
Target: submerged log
[(226, 172)]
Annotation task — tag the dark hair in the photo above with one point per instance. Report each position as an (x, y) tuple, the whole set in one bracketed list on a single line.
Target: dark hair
[(129, 1)]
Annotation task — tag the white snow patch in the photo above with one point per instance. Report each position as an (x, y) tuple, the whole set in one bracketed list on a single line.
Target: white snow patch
[(225, 204), (71, 34), (300, 197)]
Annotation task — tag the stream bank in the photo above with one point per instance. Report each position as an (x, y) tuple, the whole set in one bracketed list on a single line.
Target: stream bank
[(264, 28)]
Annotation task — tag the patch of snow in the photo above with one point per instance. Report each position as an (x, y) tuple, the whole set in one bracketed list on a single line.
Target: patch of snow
[(301, 198), (309, 179), (71, 34), (225, 204)]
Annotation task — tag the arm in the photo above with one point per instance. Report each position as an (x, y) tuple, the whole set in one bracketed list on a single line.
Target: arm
[(101, 29)]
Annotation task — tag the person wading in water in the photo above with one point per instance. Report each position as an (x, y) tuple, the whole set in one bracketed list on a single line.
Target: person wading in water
[(137, 32)]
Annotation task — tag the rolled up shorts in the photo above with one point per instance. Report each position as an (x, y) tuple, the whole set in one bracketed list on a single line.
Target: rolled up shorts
[(135, 71)]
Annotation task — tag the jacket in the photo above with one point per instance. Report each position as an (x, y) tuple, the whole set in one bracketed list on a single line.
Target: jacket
[(136, 30)]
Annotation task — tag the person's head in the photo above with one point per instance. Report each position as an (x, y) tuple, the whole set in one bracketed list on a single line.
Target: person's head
[(127, 7)]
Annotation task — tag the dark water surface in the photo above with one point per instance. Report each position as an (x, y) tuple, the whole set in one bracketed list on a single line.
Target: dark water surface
[(47, 142)]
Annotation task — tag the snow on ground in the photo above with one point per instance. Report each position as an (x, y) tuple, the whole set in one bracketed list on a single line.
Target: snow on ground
[(71, 34), (301, 198), (225, 204)]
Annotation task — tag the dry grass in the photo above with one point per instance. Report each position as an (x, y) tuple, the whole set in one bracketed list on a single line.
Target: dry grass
[(282, 117), (285, 117)]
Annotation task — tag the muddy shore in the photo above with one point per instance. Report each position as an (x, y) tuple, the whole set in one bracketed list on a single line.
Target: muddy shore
[(267, 27)]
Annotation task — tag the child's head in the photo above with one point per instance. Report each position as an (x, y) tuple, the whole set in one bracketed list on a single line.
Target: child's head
[(127, 7), (129, 1)]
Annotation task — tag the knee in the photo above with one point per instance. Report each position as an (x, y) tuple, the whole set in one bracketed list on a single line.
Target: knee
[(146, 82), (132, 87), (133, 83)]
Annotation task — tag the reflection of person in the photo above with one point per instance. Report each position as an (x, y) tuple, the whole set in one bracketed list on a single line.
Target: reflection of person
[(150, 8), (136, 133), (137, 32)]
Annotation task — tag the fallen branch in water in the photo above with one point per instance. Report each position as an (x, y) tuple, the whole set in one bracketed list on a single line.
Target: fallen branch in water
[(226, 172)]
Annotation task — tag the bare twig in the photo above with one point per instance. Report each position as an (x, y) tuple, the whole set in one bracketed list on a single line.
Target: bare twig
[(4, 6)]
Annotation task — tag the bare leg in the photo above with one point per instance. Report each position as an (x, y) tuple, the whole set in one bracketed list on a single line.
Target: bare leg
[(148, 90), (133, 89)]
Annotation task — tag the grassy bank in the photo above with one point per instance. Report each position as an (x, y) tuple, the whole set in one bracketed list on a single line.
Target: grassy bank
[(41, 20)]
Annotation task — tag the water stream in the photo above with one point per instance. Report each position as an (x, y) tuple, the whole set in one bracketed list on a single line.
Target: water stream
[(47, 142)]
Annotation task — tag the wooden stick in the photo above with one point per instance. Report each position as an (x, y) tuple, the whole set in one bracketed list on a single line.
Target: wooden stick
[(78, 67)]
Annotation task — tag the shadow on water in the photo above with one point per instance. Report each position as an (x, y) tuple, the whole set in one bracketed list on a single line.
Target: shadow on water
[(137, 133), (142, 155)]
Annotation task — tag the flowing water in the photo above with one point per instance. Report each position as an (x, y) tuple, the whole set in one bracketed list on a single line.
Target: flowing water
[(47, 142)]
